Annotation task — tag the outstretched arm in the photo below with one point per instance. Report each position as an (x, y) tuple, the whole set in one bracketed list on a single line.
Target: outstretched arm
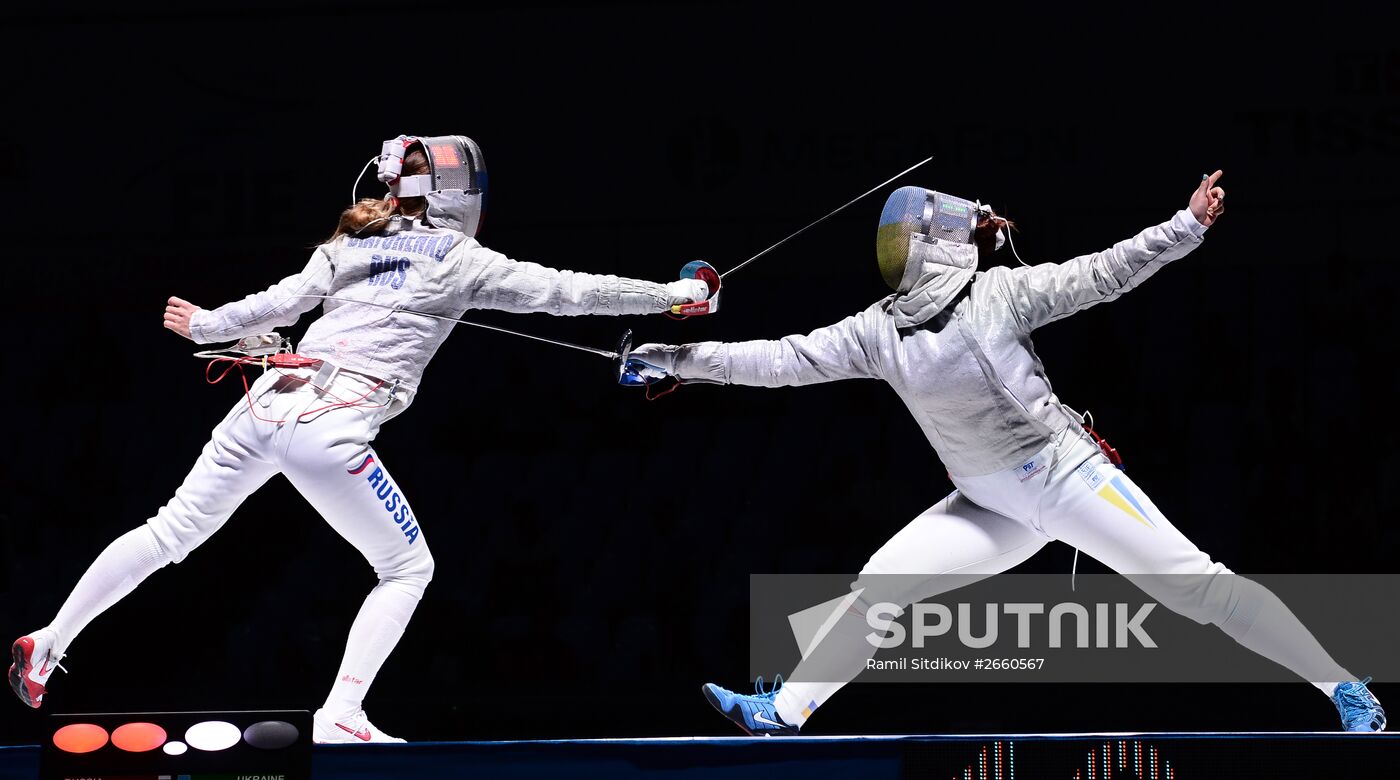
[(1050, 291), (824, 355), (490, 280), (277, 306)]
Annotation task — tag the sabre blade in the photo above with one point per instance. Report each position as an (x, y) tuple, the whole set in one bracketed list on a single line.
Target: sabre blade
[(603, 352), (823, 219)]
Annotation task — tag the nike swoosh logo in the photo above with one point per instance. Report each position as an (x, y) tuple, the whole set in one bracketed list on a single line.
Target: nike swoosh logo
[(362, 734), (44, 667), (758, 716)]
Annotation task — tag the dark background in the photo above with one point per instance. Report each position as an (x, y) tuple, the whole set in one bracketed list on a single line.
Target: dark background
[(594, 549)]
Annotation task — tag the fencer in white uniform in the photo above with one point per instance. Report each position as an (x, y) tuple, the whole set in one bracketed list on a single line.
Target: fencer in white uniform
[(415, 249), (955, 344)]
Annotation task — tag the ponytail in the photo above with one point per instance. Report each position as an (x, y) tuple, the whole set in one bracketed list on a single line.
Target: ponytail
[(985, 235), (371, 215), (367, 213)]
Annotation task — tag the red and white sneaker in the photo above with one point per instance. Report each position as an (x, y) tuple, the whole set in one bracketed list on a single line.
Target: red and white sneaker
[(351, 728), (33, 663)]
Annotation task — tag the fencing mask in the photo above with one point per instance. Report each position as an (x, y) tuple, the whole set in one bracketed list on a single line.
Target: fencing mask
[(455, 184), (926, 248)]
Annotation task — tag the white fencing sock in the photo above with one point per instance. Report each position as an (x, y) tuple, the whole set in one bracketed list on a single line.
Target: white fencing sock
[(376, 631), (115, 573), (835, 661), (1264, 624)]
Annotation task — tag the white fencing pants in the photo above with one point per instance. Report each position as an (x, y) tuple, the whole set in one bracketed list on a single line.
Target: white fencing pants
[(1070, 493), (327, 456)]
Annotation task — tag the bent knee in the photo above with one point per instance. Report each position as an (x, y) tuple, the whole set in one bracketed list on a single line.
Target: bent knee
[(1205, 598), (425, 569), (901, 590), (413, 574), (178, 531)]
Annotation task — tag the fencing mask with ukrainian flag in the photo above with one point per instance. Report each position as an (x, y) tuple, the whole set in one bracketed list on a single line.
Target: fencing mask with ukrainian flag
[(926, 249)]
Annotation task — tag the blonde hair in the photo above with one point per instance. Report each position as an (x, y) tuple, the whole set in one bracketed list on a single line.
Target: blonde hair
[(375, 212)]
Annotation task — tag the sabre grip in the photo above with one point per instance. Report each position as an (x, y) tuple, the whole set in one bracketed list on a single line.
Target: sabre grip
[(694, 309), (639, 372), (633, 371), (699, 269)]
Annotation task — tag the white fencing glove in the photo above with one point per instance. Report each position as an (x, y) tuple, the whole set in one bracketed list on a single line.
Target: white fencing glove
[(686, 291)]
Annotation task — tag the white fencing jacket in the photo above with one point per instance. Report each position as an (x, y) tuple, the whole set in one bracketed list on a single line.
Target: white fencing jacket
[(429, 269)]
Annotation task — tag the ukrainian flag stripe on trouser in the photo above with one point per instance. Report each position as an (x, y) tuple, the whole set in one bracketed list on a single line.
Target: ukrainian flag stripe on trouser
[(1132, 499), (1118, 494)]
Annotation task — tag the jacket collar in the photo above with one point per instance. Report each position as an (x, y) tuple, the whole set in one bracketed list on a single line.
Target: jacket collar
[(937, 271)]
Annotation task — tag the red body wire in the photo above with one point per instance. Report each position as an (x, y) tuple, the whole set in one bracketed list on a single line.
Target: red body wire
[(276, 363), (1108, 450)]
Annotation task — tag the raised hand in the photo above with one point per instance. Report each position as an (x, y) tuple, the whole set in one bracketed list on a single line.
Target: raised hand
[(1208, 201)]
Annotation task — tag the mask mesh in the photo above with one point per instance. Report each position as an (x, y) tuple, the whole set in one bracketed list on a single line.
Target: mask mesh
[(902, 215)]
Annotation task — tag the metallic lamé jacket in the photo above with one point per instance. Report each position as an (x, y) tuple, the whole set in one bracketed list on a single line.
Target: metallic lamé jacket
[(967, 373), (428, 269)]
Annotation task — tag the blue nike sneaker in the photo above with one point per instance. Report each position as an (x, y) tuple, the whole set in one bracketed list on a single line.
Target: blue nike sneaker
[(756, 714), (1358, 707)]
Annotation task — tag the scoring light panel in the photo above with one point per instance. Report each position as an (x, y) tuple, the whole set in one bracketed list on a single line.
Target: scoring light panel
[(213, 745)]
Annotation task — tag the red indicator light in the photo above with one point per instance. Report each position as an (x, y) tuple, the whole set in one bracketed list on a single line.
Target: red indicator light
[(444, 154), (138, 737), (80, 738)]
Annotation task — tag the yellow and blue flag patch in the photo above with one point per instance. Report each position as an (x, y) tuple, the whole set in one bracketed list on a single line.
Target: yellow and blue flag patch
[(1116, 492)]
